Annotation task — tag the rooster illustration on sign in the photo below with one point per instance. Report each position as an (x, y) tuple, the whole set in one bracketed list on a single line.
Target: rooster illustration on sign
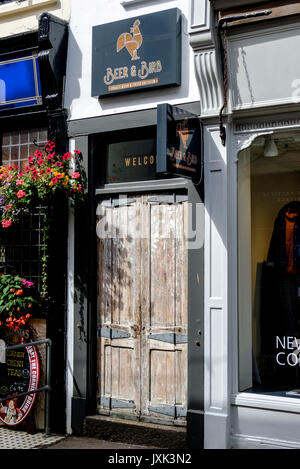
[(132, 41), (182, 131)]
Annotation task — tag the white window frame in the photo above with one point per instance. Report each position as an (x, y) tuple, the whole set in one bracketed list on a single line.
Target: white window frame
[(242, 141)]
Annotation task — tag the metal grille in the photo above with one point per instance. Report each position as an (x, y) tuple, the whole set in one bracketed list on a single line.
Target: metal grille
[(21, 245)]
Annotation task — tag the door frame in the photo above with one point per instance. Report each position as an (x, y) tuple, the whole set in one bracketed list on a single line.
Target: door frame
[(83, 307), (195, 372)]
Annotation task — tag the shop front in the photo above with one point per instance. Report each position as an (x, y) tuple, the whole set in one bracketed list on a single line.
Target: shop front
[(251, 174), (138, 336), (145, 263), (32, 70), (268, 292)]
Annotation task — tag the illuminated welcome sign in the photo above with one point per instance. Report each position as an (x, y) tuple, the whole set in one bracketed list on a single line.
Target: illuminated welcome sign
[(19, 81)]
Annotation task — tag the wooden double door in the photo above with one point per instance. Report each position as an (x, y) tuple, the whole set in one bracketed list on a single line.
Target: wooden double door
[(143, 307)]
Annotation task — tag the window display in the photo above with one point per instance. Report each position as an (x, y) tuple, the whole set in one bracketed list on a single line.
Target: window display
[(269, 266)]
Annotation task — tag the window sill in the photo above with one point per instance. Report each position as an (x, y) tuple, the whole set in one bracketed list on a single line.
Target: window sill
[(126, 3), (260, 401), (15, 8)]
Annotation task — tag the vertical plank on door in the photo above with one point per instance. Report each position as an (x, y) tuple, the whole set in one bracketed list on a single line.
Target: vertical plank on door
[(119, 309), (165, 310)]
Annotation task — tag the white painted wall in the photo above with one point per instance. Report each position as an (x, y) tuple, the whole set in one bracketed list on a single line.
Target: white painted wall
[(78, 99), (262, 68), (19, 17)]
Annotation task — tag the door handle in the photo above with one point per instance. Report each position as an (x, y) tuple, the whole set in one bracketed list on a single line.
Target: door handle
[(79, 326)]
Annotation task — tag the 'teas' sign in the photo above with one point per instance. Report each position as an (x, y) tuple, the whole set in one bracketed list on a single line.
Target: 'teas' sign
[(137, 53), (19, 374)]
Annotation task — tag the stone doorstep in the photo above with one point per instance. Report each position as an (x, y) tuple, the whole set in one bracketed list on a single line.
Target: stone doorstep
[(138, 433)]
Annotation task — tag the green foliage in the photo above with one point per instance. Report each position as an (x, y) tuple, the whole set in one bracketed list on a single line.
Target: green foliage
[(17, 299)]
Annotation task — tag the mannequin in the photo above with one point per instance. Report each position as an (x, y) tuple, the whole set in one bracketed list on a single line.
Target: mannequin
[(284, 258)]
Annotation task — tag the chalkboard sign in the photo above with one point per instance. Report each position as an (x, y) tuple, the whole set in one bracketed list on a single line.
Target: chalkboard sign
[(19, 374)]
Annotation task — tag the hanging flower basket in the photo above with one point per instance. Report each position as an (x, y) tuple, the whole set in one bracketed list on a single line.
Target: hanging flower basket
[(17, 300), (46, 176)]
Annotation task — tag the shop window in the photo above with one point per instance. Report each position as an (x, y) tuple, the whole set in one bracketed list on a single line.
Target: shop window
[(21, 245), (269, 265)]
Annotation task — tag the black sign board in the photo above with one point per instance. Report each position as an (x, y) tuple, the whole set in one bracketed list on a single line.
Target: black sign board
[(179, 142), (143, 52), (133, 160), (19, 374)]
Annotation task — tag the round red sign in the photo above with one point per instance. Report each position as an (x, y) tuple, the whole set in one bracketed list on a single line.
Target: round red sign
[(19, 374)]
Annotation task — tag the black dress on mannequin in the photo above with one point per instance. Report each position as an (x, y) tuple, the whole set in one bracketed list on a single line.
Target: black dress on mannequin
[(280, 292), (284, 258)]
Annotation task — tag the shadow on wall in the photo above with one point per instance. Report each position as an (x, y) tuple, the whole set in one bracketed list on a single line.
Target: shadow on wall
[(73, 71)]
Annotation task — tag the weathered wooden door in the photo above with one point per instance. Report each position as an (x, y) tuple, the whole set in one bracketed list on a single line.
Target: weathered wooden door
[(142, 307)]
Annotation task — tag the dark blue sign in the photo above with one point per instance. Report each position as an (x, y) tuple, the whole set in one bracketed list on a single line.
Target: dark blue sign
[(137, 53), (179, 143), (19, 81)]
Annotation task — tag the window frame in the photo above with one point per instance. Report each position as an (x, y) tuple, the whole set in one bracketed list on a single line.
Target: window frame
[(243, 139), (14, 7)]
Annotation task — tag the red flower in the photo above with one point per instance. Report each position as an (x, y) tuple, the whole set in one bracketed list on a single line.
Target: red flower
[(54, 180), (21, 194), (38, 154), (48, 170), (41, 162), (50, 156), (19, 182), (8, 207), (6, 223), (19, 292), (77, 152), (67, 156), (76, 175)]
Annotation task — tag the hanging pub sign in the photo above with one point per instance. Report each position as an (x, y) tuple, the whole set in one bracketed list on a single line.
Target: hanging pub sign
[(19, 374), (133, 160), (179, 143), (19, 81), (139, 53)]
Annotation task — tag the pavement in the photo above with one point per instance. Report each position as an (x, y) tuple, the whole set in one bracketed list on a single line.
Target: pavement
[(18, 439), (75, 442)]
